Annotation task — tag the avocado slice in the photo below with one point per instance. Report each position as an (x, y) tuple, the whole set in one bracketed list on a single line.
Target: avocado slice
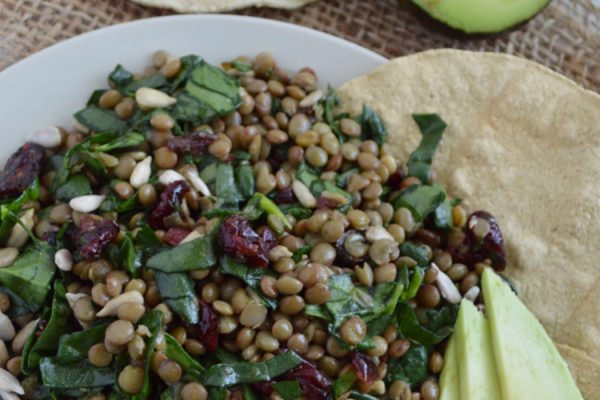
[(529, 365), (481, 16), (476, 365), (449, 386)]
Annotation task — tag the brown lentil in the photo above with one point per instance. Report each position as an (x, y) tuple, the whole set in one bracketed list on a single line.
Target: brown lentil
[(398, 348), (99, 356), (131, 379)]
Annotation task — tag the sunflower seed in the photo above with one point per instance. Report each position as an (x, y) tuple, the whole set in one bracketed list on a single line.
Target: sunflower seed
[(141, 172), (49, 137), (87, 203), (148, 98)]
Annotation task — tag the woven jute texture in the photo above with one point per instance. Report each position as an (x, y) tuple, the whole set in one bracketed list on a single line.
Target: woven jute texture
[(564, 36)]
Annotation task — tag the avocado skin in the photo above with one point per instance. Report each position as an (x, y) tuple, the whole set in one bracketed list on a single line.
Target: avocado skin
[(481, 16)]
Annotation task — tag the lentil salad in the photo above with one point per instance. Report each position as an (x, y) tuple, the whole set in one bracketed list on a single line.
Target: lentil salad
[(226, 233)]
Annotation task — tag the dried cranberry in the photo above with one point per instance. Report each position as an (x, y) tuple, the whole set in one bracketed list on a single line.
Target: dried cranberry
[(285, 196), (315, 385), (195, 143), (92, 236), (268, 238), (174, 236), (240, 241), (395, 180), (20, 170), (207, 329), (278, 156), (491, 245), (366, 370), (50, 237), (324, 202), (343, 257), (263, 388), (170, 198), (237, 394)]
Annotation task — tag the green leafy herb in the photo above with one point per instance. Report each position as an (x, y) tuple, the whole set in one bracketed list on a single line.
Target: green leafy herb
[(152, 322), (130, 139), (432, 127), (443, 214), (75, 186), (74, 346), (302, 251), (190, 256), (208, 93), (246, 372), (251, 276), (329, 102), (58, 319), (306, 175), (421, 200), (288, 390), (132, 257), (416, 251), (415, 283), (348, 299), (342, 179), (29, 278), (156, 81), (440, 325), (244, 179), (226, 189), (344, 383), (147, 240), (11, 207), (120, 77), (372, 126), (411, 367), (81, 374), (268, 206), (241, 66), (101, 120), (177, 290), (177, 353)]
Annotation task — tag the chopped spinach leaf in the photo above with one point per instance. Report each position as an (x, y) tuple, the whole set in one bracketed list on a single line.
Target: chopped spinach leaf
[(344, 383), (130, 139), (440, 325), (251, 276), (120, 77), (372, 126), (329, 102), (226, 189), (29, 278), (244, 179), (178, 354), (59, 320), (131, 257), (11, 207), (101, 120), (177, 290), (411, 367), (246, 372), (432, 127), (156, 81), (81, 374), (190, 256), (75, 186), (416, 251), (241, 66), (74, 346), (288, 390), (421, 200)]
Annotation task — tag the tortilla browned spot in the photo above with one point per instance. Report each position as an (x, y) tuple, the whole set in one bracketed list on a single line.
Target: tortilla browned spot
[(199, 6), (523, 143)]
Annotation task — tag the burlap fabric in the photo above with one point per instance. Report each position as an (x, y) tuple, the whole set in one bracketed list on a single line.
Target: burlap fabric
[(565, 36)]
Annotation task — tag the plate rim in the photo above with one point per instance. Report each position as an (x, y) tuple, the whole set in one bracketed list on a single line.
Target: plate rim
[(152, 20)]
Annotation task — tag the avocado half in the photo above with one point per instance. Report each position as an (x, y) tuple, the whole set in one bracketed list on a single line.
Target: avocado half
[(481, 16)]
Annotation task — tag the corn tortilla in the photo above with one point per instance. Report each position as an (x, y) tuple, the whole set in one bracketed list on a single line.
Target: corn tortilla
[(199, 6), (524, 144)]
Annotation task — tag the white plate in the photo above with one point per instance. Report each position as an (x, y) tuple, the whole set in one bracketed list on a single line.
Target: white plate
[(48, 87)]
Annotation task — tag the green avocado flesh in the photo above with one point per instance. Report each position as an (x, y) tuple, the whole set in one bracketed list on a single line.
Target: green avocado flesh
[(449, 386), (481, 16), (476, 366), (529, 365)]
